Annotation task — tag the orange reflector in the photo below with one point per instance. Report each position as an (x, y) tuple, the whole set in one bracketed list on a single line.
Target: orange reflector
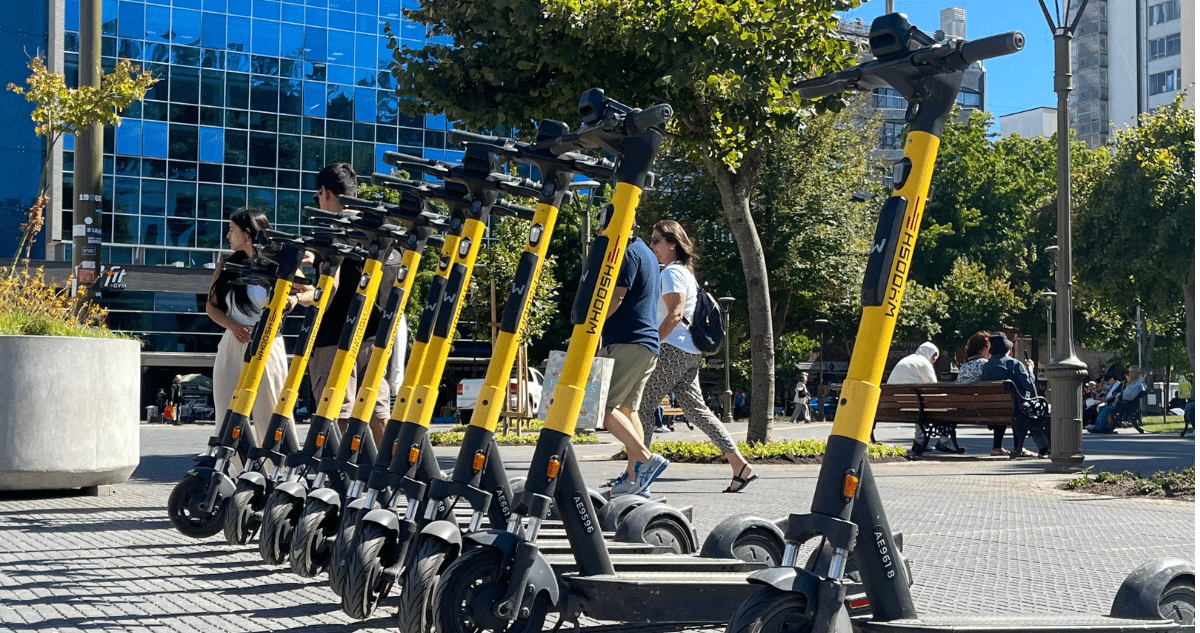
[(278, 434), (413, 454), (850, 485), (236, 433), (553, 467), (477, 463), (355, 443), (320, 440)]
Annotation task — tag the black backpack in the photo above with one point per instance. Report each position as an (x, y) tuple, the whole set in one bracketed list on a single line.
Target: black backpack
[(707, 325)]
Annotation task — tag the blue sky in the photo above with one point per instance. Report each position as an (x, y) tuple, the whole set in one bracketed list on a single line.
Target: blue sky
[(1014, 83)]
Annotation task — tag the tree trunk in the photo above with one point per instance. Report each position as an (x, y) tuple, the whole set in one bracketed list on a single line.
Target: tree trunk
[(735, 191), (1189, 306)]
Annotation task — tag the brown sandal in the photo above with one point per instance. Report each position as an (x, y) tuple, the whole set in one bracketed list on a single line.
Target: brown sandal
[(739, 479)]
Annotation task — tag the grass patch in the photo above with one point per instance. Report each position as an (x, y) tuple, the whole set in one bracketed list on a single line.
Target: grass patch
[(1164, 484), (1153, 423), (528, 437)]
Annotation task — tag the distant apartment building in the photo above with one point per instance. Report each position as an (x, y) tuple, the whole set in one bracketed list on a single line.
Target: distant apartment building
[(1040, 121), (1130, 56)]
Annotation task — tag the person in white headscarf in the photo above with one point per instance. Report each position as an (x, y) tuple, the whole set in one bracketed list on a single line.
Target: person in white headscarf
[(917, 368)]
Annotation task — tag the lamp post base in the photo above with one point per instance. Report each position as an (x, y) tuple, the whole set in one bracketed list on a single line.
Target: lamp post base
[(1066, 377)]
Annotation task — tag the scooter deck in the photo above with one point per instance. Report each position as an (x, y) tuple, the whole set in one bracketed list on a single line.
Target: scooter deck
[(1015, 623), (634, 562), (563, 548), (655, 596)]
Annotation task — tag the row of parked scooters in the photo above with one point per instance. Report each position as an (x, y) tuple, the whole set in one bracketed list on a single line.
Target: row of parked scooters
[(386, 519)]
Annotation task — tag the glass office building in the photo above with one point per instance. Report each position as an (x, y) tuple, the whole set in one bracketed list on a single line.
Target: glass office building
[(254, 97)]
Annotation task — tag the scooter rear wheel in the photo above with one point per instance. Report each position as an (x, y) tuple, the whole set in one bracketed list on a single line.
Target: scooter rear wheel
[(243, 515), (771, 610), (183, 507), (365, 586), (417, 582), (468, 588), (309, 554), (279, 521)]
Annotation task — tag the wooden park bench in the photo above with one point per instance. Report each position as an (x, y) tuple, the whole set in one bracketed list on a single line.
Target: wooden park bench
[(940, 407)]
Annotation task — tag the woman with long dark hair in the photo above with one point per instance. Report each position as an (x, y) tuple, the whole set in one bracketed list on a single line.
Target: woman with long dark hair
[(678, 368), (236, 307), (971, 371)]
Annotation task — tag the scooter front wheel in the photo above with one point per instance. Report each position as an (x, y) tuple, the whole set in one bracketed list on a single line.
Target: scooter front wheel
[(364, 586), (183, 507), (279, 521), (243, 514), (771, 610), (470, 586), (417, 582), (341, 548), (309, 553)]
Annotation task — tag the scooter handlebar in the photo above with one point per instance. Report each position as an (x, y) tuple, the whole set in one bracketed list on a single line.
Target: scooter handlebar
[(993, 46), (639, 121), (826, 85), (458, 137)]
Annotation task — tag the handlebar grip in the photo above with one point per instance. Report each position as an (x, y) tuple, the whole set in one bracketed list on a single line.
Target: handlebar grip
[(458, 137), (639, 121), (504, 207), (993, 46), (831, 84)]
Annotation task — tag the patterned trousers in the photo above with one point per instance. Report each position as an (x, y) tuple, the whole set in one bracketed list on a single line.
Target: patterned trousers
[(679, 372)]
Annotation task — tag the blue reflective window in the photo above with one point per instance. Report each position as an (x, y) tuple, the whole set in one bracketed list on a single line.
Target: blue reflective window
[(126, 196), (154, 230), (213, 27), (290, 97), (266, 9), (180, 233), (158, 53), (341, 47), (124, 229), (185, 85), (368, 23), (187, 4), (340, 103), (186, 26), (158, 23), (436, 122), (381, 166), (216, 6), (341, 20), (263, 200), (239, 34), (154, 195), (387, 107), (314, 99), (237, 91), (130, 49), (239, 7), (314, 44), (239, 62), (412, 31), (182, 142), (212, 144), (364, 105), (339, 74), (324, 4), (370, 7), (71, 16), (131, 21), (108, 26), (208, 200), (235, 147), (129, 138), (366, 51), (342, 5), (263, 151), (181, 200), (316, 16), (266, 38), (390, 9), (364, 77), (291, 41), (154, 139), (264, 93), (293, 13), (68, 142)]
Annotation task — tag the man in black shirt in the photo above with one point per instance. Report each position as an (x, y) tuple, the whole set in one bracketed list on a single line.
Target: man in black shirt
[(332, 181)]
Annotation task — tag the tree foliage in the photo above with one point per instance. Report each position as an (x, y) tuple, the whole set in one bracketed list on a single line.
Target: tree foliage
[(723, 66), (1135, 220)]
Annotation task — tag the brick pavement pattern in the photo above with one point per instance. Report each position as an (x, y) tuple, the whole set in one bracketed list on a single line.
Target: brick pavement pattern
[(984, 537)]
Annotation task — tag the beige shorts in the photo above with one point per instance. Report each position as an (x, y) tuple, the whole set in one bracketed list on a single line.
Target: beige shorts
[(320, 364), (632, 366)]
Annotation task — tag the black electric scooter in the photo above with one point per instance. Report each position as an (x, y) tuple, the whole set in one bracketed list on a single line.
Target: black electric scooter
[(197, 502), (847, 511), (505, 582)]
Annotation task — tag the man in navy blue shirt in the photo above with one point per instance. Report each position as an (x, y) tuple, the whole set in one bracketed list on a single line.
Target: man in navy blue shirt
[(630, 338), (1002, 366)]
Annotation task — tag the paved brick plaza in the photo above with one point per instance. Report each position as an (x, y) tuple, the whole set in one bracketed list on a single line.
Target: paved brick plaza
[(983, 535)]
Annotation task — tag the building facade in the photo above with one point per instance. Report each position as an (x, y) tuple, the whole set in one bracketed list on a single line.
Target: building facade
[(1034, 122), (1130, 56), (254, 97)]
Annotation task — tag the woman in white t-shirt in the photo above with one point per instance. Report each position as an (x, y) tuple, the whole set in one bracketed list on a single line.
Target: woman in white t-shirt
[(236, 307), (678, 368)]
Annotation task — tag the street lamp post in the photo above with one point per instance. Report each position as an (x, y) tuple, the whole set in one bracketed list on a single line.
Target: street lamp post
[(727, 410), (821, 371), (1065, 372), (1049, 295)]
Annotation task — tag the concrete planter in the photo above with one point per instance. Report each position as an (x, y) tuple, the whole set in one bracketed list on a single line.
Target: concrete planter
[(68, 411)]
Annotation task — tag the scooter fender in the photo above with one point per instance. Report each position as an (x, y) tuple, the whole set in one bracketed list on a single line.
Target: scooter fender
[(385, 519), (225, 487), (540, 575), (632, 528), (446, 532), (253, 478), (792, 580), (294, 489), (1140, 594), (327, 496), (722, 538)]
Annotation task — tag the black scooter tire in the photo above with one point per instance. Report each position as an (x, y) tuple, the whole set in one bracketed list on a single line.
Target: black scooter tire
[(183, 508), (771, 610), (463, 598), (341, 549), (279, 522), (365, 586), (242, 518), (417, 583), (309, 554)]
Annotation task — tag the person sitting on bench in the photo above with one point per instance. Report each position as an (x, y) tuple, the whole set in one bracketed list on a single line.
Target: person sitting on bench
[(1129, 396), (1002, 366)]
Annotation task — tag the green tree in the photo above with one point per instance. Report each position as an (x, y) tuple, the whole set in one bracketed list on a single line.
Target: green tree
[(1135, 220), (975, 301), (722, 66)]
